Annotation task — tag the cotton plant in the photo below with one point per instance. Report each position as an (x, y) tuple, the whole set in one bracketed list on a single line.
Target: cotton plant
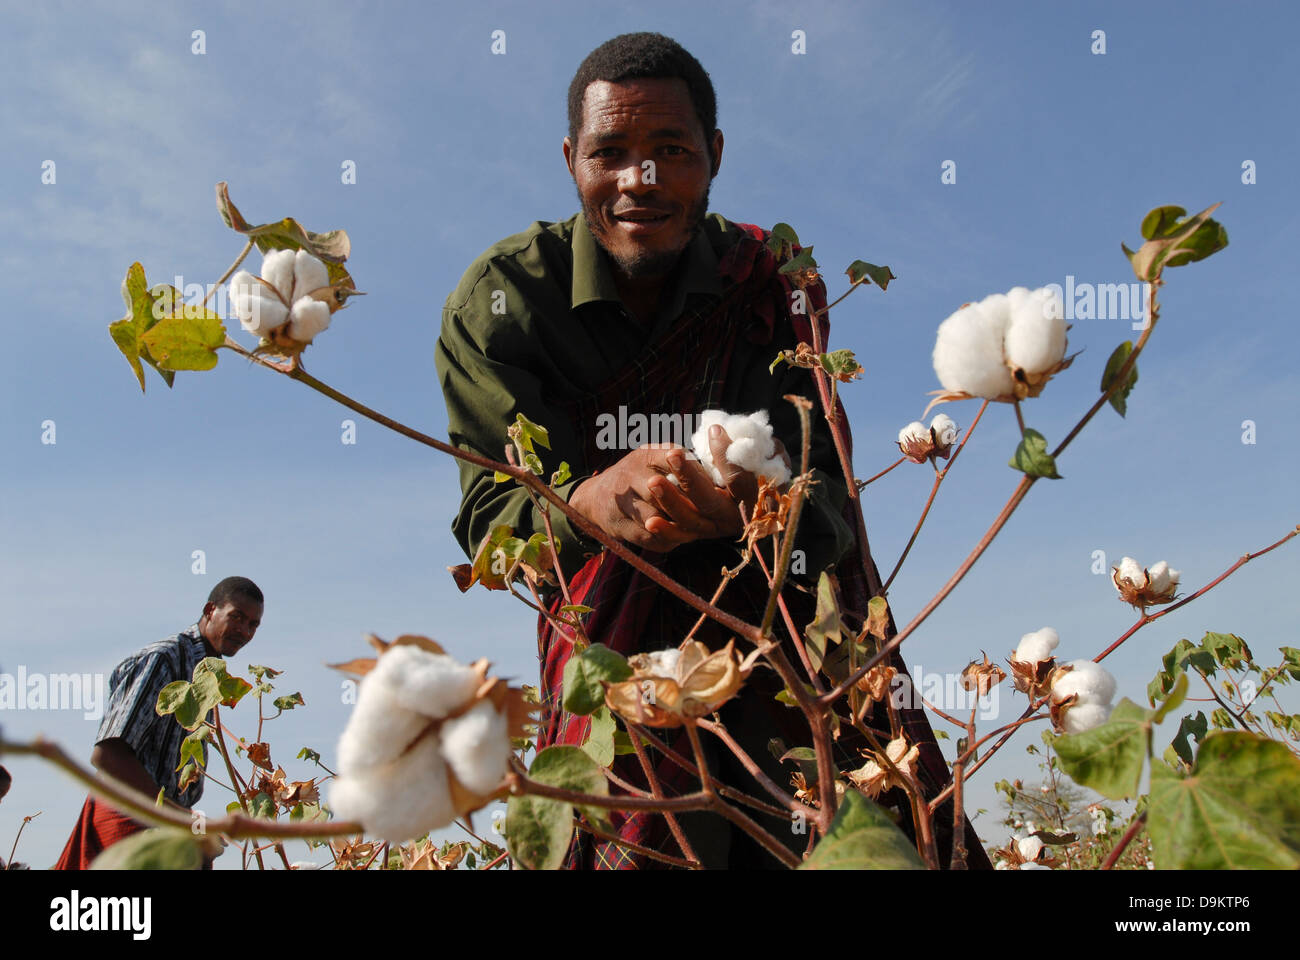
[(1004, 348), (291, 301), (428, 740), (1081, 694)]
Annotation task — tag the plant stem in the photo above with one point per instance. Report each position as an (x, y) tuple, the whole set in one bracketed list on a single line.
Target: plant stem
[(231, 269), (862, 483), (1124, 841), (26, 820)]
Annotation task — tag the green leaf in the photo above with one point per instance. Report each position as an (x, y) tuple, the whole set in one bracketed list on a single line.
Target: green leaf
[(600, 738), (562, 475), (1174, 700), (1239, 808), (841, 364), (539, 829), (863, 837), (1189, 726), (499, 477), (1173, 242), (785, 233), (577, 608), (333, 246), (192, 747), (530, 432), (860, 271), (258, 671), (1119, 399), (583, 692), (533, 462), (289, 702), (186, 340), (142, 312), (1032, 458), (1109, 758), (801, 261), (786, 697), (826, 627), (178, 697), (261, 805), (162, 848), (307, 753), (1222, 719), (623, 744), (805, 758)]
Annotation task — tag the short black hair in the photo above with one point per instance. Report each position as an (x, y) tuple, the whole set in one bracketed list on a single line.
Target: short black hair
[(633, 56), (232, 587)]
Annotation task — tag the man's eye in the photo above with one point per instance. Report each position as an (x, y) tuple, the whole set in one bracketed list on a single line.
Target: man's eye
[(674, 150), (605, 152)]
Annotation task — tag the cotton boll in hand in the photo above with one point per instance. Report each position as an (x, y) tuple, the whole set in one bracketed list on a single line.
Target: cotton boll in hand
[(752, 445), (968, 351)]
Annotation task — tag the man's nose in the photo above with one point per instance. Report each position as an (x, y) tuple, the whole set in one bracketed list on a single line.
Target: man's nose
[(631, 179)]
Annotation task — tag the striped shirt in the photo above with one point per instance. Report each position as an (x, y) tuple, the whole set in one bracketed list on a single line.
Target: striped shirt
[(131, 715)]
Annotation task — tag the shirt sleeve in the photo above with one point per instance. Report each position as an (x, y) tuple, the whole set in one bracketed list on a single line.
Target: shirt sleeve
[(483, 396), (130, 713)]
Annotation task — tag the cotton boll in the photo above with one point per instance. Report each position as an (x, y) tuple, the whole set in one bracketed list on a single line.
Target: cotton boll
[(1089, 681), (277, 270), (752, 447), (1131, 570), (914, 432), (378, 729), (1034, 866), (1085, 716), (1163, 580), (1035, 337), (477, 746), (1037, 646), (945, 431), (968, 354), (308, 318), (663, 663), (432, 684), (309, 274), (258, 314), (400, 800), (243, 283), (1029, 847)]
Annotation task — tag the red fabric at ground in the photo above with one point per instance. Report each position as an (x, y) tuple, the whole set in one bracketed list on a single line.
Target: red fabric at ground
[(99, 826)]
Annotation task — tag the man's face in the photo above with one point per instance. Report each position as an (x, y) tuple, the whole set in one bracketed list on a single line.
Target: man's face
[(231, 625), (642, 214)]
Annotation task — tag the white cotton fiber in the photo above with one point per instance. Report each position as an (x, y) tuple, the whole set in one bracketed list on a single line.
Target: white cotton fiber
[(1029, 847), (914, 432), (1037, 646), (1035, 338), (432, 684), (752, 447), (378, 730), (945, 431), (477, 745), (309, 274), (968, 351), (1163, 579), (259, 315), (1089, 681), (400, 800), (277, 270), (1085, 716), (1131, 570), (308, 318)]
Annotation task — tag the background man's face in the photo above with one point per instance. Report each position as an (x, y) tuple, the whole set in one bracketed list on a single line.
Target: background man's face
[(232, 625), (643, 226)]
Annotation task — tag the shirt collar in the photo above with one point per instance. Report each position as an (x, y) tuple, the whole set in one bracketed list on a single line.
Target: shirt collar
[(195, 639), (592, 279)]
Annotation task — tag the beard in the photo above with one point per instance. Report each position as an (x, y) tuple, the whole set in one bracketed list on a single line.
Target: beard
[(648, 263)]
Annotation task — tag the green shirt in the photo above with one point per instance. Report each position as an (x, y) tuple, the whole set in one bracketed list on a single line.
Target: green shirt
[(536, 323)]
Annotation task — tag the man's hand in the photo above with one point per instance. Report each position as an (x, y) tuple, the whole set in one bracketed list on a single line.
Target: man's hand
[(636, 502)]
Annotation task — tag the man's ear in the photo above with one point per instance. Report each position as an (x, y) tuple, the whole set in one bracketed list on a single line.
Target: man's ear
[(568, 156), (207, 609), (717, 153)]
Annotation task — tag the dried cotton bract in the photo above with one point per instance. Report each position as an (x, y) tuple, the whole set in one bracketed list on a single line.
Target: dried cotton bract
[(668, 687), (1006, 347), (920, 443), (873, 778), (428, 740)]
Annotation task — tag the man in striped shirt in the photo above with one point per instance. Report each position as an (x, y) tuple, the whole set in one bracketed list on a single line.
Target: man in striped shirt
[(138, 746)]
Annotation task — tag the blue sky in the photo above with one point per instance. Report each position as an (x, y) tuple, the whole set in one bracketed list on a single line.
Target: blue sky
[(1058, 154)]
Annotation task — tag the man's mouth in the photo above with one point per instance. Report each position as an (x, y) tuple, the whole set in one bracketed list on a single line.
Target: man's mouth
[(642, 220)]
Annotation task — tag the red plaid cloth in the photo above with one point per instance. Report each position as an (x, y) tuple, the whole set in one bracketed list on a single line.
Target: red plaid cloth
[(631, 613), (98, 827)]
